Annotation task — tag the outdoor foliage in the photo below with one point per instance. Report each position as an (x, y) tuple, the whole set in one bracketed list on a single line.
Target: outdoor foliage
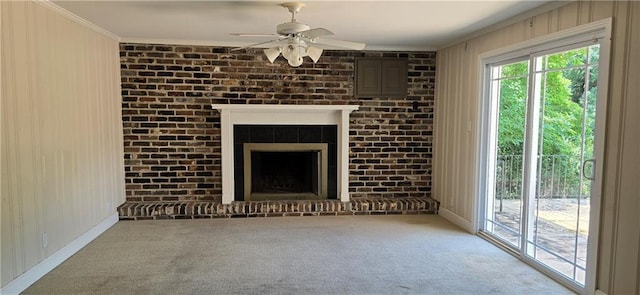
[(562, 78)]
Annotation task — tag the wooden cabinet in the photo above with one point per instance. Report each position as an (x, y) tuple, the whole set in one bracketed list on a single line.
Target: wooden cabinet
[(381, 77)]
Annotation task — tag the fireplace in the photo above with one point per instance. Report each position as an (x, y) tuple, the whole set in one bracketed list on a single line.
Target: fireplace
[(285, 171), (285, 162), (336, 116)]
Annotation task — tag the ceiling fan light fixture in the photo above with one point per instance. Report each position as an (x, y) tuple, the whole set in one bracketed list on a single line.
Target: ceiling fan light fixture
[(295, 61), (295, 38), (314, 53), (293, 55), (290, 51), (272, 53)]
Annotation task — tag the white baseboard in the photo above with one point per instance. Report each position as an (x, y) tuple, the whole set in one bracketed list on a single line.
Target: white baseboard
[(457, 220), (39, 270), (598, 292)]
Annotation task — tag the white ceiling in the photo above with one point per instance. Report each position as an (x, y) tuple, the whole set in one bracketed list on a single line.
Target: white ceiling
[(382, 25)]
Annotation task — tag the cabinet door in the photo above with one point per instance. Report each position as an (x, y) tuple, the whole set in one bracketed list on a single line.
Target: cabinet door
[(368, 77), (394, 77)]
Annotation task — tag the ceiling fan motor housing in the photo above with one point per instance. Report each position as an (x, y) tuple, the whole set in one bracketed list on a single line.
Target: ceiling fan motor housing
[(291, 28)]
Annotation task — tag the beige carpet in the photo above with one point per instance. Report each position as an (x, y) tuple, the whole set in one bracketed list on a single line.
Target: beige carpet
[(393, 254)]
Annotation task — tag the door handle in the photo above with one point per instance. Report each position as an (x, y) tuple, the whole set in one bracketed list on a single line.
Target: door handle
[(584, 172)]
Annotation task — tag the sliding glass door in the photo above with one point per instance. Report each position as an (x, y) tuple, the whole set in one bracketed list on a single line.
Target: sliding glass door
[(540, 156), (508, 90), (565, 91)]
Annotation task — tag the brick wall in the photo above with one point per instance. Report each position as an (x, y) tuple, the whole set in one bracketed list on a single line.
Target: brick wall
[(172, 137)]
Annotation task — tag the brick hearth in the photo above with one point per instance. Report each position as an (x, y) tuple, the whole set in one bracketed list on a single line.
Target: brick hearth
[(192, 210)]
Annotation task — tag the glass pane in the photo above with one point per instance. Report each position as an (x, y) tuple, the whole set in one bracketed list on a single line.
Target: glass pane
[(594, 54), (518, 69), (570, 58), (560, 207), (509, 88)]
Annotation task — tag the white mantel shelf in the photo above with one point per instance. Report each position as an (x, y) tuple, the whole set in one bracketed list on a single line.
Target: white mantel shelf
[(284, 107), (283, 114)]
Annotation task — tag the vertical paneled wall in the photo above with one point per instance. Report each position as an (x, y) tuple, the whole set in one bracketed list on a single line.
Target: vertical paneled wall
[(457, 86), (62, 151)]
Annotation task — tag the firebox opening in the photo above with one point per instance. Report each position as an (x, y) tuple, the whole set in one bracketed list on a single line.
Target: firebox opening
[(285, 171)]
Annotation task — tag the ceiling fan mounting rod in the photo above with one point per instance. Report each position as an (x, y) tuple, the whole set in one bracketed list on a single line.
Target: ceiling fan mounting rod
[(293, 7)]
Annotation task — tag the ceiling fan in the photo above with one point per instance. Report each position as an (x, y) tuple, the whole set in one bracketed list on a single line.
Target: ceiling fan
[(296, 39)]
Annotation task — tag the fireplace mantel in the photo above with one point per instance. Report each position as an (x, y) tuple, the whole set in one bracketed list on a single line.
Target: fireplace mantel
[(231, 115)]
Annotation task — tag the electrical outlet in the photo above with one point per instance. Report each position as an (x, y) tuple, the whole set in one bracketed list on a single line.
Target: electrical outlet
[(45, 240)]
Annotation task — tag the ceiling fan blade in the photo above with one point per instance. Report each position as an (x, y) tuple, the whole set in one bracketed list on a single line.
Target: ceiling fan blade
[(256, 44), (339, 43), (315, 33), (253, 35)]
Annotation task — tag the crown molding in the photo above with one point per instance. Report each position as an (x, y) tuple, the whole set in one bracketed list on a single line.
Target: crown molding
[(55, 8), (518, 18), (243, 44), (399, 48), (185, 42)]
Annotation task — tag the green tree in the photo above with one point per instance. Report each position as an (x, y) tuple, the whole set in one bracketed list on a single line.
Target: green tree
[(513, 103), (562, 85)]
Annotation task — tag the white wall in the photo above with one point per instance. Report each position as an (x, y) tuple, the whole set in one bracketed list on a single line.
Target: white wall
[(456, 109), (62, 152)]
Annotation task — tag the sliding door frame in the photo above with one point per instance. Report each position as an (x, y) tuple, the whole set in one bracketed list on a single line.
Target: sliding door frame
[(598, 32)]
